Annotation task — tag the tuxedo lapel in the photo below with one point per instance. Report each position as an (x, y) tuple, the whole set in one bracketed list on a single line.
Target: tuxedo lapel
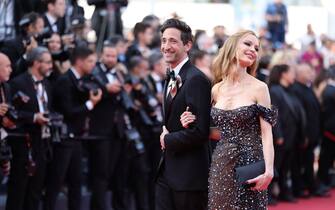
[(183, 75), (164, 99)]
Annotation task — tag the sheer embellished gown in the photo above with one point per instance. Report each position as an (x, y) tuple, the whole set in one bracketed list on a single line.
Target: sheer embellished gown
[(240, 145)]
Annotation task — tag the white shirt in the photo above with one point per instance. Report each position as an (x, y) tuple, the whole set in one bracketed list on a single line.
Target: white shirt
[(89, 104), (110, 77), (52, 22), (176, 72), (40, 93), (158, 82), (7, 29)]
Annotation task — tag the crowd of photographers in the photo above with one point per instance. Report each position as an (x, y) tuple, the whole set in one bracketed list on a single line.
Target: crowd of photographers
[(63, 101)]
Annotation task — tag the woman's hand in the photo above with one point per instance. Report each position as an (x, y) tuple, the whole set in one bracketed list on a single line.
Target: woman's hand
[(261, 182), (187, 118)]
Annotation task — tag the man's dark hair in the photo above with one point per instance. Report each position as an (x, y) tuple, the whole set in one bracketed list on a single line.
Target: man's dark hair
[(140, 27), (80, 52), (115, 39), (30, 18), (50, 2), (197, 54), (134, 61), (154, 58), (186, 31)]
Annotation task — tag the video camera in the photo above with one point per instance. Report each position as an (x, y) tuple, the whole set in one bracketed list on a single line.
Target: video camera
[(57, 126)]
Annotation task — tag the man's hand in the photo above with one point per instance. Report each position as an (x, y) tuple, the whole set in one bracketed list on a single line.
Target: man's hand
[(95, 97), (164, 132), (114, 87), (40, 119), (3, 109)]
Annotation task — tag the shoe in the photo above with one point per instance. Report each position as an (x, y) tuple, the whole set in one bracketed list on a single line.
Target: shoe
[(287, 198)]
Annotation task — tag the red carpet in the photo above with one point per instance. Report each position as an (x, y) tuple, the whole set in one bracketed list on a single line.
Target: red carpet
[(309, 204)]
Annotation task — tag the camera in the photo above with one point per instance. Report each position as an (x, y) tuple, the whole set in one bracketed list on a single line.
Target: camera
[(18, 99), (89, 83), (57, 126), (60, 56)]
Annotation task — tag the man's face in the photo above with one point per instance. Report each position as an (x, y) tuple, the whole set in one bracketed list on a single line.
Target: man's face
[(109, 57), (58, 9), (173, 48), (45, 64), (88, 63), (5, 68)]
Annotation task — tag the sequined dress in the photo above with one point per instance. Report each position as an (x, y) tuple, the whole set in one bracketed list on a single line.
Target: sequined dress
[(240, 144)]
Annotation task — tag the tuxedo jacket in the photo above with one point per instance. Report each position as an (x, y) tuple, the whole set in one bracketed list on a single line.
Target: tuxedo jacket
[(312, 108), (185, 161), (7, 95), (26, 111), (328, 104), (70, 102), (60, 25), (291, 116), (102, 116)]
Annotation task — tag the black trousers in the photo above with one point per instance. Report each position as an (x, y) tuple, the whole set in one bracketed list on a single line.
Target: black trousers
[(283, 164), (308, 164), (169, 199), (327, 157), (24, 192), (66, 165)]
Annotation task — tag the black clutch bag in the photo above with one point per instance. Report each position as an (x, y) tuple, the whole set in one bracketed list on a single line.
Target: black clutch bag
[(244, 173)]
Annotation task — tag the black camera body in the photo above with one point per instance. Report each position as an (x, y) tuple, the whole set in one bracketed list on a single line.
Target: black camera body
[(89, 83), (57, 126), (18, 99)]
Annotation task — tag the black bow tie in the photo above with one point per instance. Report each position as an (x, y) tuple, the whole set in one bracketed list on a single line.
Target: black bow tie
[(38, 82), (170, 75)]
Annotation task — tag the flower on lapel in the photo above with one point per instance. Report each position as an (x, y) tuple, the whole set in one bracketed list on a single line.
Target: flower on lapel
[(179, 81)]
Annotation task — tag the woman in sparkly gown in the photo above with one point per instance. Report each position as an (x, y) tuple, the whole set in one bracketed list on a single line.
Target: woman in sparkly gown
[(241, 111)]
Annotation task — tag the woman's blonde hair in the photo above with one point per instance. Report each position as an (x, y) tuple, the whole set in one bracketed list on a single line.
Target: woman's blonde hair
[(226, 58)]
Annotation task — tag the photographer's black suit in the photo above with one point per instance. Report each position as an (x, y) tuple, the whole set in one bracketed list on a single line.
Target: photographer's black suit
[(24, 192), (183, 172), (60, 25), (104, 151), (67, 154)]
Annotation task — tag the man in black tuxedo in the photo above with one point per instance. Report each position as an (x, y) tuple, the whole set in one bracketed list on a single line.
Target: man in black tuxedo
[(5, 102), (26, 180), (54, 19), (104, 152), (304, 92), (182, 179), (75, 104)]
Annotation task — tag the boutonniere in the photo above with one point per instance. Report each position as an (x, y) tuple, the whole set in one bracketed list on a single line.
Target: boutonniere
[(179, 81)]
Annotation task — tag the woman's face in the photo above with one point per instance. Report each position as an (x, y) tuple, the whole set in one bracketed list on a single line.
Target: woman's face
[(54, 43), (289, 76), (247, 50)]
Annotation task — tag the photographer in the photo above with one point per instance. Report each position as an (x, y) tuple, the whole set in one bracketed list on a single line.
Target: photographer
[(6, 123), (75, 104), (60, 57), (31, 26), (103, 152), (30, 155)]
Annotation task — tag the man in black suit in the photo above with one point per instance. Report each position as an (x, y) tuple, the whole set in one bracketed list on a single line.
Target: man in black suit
[(54, 17), (75, 104), (5, 101), (182, 179), (304, 92), (104, 151), (30, 155), (31, 25)]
